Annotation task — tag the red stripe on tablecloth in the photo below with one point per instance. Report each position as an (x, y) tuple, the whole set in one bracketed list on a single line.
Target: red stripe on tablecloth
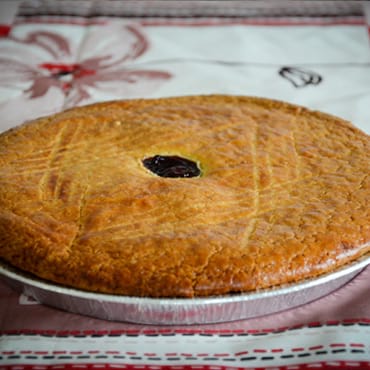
[(190, 331), (73, 21), (204, 22), (254, 22), (332, 365)]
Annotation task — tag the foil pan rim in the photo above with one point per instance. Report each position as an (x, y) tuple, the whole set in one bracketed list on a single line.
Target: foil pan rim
[(20, 276)]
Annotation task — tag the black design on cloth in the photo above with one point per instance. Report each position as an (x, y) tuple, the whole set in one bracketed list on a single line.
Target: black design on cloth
[(299, 77)]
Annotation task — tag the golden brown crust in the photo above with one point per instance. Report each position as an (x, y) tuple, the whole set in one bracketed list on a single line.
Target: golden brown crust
[(283, 196)]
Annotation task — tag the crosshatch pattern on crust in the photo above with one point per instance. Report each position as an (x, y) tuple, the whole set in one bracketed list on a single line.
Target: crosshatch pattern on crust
[(282, 196)]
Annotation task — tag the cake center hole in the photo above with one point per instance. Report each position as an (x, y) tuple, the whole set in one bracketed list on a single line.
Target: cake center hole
[(171, 166)]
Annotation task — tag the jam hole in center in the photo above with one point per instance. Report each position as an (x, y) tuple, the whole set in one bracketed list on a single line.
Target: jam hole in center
[(171, 166)]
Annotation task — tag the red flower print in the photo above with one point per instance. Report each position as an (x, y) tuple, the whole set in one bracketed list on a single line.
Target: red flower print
[(51, 70)]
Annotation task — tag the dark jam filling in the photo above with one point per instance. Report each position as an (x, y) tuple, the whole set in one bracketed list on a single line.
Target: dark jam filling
[(171, 166)]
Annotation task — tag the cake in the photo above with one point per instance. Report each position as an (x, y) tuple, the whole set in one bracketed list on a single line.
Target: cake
[(189, 196)]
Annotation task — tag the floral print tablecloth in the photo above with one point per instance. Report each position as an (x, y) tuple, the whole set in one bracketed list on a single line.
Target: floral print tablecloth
[(54, 56)]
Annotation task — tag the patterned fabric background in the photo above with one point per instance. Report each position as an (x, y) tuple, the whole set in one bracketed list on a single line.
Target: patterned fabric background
[(58, 54)]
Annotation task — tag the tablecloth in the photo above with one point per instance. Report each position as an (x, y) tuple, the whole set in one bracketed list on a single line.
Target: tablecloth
[(58, 54)]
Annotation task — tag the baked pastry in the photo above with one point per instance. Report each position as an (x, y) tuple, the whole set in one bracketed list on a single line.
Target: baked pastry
[(182, 197)]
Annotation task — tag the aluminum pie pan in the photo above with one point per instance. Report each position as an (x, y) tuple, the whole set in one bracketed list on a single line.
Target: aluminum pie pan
[(182, 311)]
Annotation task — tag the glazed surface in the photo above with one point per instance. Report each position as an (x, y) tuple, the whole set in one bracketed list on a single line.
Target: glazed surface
[(282, 195)]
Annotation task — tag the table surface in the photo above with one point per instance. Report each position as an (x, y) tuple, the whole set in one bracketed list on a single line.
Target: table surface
[(53, 57)]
